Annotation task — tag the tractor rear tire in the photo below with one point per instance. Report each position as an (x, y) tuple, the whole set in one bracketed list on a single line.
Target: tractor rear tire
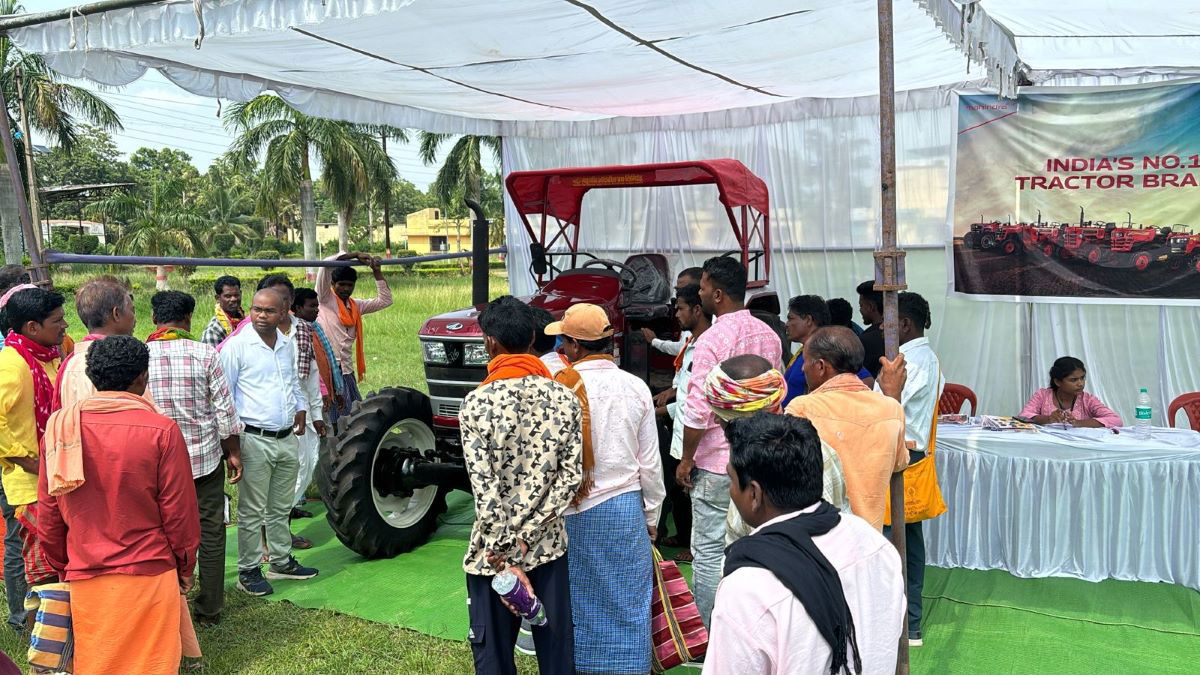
[(780, 329), (370, 524), (988, 241), (971, 240)]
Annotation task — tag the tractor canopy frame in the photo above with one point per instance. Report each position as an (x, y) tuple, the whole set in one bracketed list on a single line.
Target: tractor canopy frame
[(556, 195)]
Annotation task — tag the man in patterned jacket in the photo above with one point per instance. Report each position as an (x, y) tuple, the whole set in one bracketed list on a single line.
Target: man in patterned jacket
[(522, 441)]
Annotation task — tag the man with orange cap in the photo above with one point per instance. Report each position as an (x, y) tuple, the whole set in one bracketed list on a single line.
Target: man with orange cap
[(612, 522)]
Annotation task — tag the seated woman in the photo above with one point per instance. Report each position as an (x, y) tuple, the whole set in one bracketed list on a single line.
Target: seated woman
[(1065, 401)]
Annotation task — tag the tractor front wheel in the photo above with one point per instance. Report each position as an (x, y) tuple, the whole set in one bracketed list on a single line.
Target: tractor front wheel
[(988, 240), (1011, 246), (1048, 250), (1094, 255), (1141, 261), (373, 508), (1196, 263)]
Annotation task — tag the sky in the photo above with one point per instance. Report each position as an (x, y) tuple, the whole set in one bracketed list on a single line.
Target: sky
[(158, 114)]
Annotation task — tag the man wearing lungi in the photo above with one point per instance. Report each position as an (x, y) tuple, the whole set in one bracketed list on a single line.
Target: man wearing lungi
[(613, 520)]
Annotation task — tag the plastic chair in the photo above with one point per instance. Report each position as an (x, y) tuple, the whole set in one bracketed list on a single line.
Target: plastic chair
[(953, 397), (1190, 404)]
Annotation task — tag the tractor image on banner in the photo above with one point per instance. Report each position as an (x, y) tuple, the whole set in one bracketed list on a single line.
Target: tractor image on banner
[(399, 452), (1089, 196)]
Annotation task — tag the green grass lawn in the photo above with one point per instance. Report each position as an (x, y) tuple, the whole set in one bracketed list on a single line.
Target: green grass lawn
[(256, 636)]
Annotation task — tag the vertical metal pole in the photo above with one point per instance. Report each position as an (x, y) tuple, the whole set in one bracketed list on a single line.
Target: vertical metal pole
[(38, 272), (889, 270), (479, 254)]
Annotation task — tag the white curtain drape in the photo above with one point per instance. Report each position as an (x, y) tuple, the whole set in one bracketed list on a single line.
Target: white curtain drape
[(821, 165)]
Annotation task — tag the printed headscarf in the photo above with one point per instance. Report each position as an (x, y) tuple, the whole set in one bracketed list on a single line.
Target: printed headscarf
[(732, 398)]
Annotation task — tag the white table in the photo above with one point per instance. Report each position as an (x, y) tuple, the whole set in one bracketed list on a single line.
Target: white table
[(1083, 503)]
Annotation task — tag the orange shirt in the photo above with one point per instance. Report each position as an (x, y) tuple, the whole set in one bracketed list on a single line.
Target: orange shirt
[(866, 429)]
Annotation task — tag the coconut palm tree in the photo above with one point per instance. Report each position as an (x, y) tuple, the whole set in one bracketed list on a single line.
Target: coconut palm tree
[(38, 100), (226, 209), (352, 175), (290, 142), (462, 169), (159, 225)]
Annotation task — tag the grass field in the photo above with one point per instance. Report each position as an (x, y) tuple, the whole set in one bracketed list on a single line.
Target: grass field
[(256, 636)]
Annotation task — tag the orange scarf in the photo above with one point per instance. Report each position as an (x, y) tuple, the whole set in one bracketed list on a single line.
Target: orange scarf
[(679, 357), (571, 379), (352, 316), (63, 442), (513, 366)]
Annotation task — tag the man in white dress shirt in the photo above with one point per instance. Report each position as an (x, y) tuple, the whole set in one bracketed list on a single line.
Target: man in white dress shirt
[(260, 367), (811, 589), (688, 277), (614, 517), (920, 396)]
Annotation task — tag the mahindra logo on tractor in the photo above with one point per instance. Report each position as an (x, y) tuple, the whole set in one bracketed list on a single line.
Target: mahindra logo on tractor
[(454, 326)]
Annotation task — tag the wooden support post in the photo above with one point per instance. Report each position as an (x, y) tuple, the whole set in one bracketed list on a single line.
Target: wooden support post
[(889, 269), (39, 272)]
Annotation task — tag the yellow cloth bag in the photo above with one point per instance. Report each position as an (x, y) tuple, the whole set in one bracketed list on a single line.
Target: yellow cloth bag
[(922, 496)]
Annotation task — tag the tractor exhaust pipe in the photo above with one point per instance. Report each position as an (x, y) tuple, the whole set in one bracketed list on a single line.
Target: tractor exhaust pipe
[(479, 254)]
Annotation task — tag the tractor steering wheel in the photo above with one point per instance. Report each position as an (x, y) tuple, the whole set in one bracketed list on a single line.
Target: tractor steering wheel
[(628, 275), (610, 265)]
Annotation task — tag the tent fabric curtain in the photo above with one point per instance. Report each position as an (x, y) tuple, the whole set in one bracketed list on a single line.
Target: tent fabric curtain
[(822, 167)]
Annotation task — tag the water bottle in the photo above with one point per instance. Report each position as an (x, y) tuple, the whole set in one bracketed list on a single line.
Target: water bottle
[(1144, 413), (511, 589)]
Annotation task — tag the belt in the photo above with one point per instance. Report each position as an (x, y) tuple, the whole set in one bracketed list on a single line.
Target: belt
[(282, 433)]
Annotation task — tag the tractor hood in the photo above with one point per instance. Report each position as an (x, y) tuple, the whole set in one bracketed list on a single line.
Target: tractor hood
[(599, 288)]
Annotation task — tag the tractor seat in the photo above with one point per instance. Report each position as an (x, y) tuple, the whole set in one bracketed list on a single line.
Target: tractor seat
[(650, 283)]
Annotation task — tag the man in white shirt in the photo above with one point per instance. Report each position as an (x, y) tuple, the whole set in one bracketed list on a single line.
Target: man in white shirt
[(260, 367), (305, 343), (545, 346), (690, 313), (920, 396), (615, 513), (688, 277), (811, 589)]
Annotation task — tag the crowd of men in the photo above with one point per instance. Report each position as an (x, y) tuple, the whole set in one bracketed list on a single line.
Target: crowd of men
[(777, 479), (774, 476), (115, 453)]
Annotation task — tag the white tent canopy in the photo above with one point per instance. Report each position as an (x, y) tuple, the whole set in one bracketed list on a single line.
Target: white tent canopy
[(786, 86)]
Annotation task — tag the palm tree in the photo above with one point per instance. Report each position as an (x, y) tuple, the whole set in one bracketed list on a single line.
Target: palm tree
[(158, 226), (39, 101), (227, 209), (462, 169), (291, 141), (355, 172)]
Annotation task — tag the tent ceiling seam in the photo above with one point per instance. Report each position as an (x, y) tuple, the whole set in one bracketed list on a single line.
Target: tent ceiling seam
[(649, 44), (426, 71)]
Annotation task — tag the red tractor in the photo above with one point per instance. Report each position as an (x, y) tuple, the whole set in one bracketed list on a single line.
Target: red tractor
[(1139, 247), (1184, 250), (983, 235), (1085, 241), (399, 453)]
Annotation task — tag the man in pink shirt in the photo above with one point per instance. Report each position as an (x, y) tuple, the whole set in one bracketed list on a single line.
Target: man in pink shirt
[(340, 318), (734, 332)]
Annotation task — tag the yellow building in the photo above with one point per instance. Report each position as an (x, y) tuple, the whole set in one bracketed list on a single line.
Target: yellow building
[(327, 232), (429, 233)]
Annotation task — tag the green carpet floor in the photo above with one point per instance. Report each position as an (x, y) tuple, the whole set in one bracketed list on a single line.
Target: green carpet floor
[(975, 621)]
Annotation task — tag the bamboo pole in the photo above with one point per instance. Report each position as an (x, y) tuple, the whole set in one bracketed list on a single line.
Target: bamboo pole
[(38, 271)]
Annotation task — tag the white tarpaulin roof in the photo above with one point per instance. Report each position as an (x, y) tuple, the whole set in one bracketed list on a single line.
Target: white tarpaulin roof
[(472, 65), (464, 65)]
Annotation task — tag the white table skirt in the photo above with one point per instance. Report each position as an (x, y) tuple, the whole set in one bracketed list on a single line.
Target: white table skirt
[(1083, 503)]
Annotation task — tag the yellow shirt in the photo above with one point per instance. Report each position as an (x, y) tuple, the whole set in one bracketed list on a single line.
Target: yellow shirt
[(18, 428)]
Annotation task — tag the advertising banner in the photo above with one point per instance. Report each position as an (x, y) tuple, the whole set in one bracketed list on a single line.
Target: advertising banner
[(1087, 196)]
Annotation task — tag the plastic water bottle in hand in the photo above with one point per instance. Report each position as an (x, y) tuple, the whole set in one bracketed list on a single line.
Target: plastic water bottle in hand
[(511, 589), (1144, 414)]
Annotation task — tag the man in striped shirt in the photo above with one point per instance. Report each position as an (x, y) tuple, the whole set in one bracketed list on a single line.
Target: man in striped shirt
[(189, 386)]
